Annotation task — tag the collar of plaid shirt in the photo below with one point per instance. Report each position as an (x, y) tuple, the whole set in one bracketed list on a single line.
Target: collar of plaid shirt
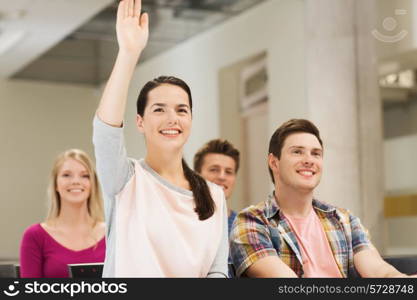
[(332, 224)]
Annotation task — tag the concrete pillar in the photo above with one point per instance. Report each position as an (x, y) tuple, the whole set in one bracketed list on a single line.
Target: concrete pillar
[(343, 101), (371, 139)]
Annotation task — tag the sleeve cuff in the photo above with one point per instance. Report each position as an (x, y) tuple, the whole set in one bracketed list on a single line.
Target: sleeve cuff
[(254, 257)]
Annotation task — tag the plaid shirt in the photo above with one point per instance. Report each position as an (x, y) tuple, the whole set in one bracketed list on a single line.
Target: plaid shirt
[(262, 230)]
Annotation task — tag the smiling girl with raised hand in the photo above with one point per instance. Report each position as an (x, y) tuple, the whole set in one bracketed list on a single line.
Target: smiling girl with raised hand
[(74, 230), (163, 220)]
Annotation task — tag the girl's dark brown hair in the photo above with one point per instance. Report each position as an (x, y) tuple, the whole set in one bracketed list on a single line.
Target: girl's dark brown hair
[(204, 204)]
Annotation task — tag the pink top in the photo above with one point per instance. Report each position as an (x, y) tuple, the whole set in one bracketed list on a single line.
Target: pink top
[(318, 259), (159, 233), (41, 256)]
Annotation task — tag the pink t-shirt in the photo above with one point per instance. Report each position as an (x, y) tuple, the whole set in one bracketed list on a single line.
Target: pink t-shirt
[(41, 256), (318, 259)]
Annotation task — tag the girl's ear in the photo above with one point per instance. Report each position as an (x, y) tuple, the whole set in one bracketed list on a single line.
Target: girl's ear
[(139, 123)]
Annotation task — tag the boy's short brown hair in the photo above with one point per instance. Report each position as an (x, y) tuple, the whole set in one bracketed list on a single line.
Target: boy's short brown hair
[(219, 146)]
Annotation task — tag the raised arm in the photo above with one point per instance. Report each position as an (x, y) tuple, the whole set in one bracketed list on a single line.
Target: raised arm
[(132, 36), (113, 166)]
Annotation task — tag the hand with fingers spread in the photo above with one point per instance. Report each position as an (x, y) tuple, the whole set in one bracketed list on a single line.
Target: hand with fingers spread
[(132, 36), (132, 27)]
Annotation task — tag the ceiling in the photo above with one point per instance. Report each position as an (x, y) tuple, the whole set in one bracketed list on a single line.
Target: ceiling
[(74, 41)]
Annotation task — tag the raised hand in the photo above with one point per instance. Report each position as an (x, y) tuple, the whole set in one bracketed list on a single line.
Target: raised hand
[(132, 28), (132, 36)]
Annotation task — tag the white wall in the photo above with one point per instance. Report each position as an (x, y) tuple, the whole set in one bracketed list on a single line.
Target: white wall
[(401, 141), (400, 164), (275, 26), (400, 177), (37, 121), (235, 128)]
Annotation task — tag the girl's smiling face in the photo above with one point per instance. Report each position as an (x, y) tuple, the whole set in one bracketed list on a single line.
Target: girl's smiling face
[(166, 122), (73, 182)]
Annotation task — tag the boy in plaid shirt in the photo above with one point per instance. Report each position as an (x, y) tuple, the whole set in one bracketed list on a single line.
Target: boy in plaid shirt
[(291, 234)]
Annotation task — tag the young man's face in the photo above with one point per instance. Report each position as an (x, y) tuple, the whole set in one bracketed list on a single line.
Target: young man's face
[(220, 169), (300, 165)]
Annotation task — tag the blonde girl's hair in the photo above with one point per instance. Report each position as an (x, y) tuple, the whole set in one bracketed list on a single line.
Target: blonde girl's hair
[(94, 202)]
